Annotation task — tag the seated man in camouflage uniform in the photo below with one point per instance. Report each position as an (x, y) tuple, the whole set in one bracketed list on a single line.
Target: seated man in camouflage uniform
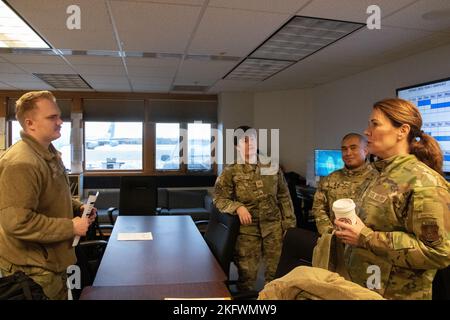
[(343, 183)]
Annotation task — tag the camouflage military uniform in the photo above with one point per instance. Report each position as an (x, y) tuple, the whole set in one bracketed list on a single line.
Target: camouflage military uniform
[(267, 199), (406, 213), (340, 184)]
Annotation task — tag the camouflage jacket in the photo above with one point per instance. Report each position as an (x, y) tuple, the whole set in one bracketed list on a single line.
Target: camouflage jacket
[(340, 184), (266, 197), (406, 213)]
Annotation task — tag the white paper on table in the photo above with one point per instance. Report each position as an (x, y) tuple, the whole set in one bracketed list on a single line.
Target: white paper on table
[(123, 236), (87, 210)]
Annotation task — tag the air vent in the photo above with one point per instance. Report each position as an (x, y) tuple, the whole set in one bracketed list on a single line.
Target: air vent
[(64, 81), (190, 88), (299, 38)]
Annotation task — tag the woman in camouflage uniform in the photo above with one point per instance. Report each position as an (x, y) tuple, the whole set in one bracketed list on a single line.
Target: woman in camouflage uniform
[(263, 204), (402, 235)]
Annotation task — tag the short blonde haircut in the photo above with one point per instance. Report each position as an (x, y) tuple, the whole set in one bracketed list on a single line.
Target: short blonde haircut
[(27, 103)]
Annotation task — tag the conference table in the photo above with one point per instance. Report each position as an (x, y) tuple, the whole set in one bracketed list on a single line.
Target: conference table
[(177, 262)]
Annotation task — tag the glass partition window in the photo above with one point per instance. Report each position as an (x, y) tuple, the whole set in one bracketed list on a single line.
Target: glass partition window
[(62, 144), (167, 155), (199, 146), (113, 145)]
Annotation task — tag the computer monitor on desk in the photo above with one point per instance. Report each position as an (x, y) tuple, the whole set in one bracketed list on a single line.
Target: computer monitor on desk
[(327, 161)]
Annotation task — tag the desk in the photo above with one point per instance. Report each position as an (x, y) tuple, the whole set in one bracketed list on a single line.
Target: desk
[(178, 254), (157, 291)]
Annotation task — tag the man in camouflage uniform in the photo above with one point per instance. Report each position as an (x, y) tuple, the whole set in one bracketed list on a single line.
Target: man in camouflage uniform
[(265, 210), (404, 230), (344, 183)]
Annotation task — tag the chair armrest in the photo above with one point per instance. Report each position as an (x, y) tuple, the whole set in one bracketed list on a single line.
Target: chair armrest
[(208, 203), (105, 226), (90, 243), (202, 225), (110, 214)]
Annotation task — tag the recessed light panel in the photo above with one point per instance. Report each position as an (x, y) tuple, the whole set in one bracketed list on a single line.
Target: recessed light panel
[(297, 39)]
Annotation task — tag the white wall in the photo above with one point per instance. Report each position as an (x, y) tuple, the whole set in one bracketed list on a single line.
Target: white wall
[(234, 110), (344, 105), (319, 117), (291, 112)]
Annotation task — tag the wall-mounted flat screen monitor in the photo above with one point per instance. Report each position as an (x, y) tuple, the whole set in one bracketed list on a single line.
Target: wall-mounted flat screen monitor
[(327, 161), (433, 100)]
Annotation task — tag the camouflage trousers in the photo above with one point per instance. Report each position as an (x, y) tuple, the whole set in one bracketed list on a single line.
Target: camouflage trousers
[(53, 284), (250, 246)]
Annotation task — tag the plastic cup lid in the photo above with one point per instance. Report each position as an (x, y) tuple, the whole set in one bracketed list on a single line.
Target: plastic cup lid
[(343, 205)]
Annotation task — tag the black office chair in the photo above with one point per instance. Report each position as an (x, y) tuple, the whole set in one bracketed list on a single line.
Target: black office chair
[(89, 255), (221, 235), (441, 285), (297, 250), (138, 196)]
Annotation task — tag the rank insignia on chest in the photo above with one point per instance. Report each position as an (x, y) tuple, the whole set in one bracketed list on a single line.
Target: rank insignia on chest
[(377, 197), (259, 184)]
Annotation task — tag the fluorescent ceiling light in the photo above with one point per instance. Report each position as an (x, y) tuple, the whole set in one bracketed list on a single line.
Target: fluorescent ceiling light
[(63, 81), (299, 38), (15, 33)]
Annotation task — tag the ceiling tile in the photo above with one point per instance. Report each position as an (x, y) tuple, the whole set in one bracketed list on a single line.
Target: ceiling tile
[(153, 81), (201, 70), (95, 30), (30, 85), (234, 32), (8, 77), (96, 79), (366, 47), (186, 2), (152, 62), (159, 72), (9, 68), (111, 87), (430, 15), (350, 10), (32, 58), (232, 86), (5, 86), (45, 68), (179, 81), (85, 69), (284, 6), (154, 27), (150, 88), (91, 60)]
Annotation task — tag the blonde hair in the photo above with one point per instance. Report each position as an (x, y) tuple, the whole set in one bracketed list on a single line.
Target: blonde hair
[(27, 103), (422, 145)]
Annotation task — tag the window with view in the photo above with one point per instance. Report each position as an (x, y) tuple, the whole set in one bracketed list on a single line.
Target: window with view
[(113, 145), (199, 146), (62, 144), (167, 155)]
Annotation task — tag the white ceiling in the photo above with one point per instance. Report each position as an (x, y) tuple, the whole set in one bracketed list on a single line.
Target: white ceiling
[(197, 42)]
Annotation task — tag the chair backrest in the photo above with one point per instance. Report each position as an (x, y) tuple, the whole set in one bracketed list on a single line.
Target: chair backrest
[(298, 246), (221, 236), (441, 285), (138, 195)]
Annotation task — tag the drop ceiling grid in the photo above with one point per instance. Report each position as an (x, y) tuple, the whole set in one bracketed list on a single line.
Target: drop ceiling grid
[(95, 32), (411, 17), (284, 6), (233, 32), (149, 27), (350, 10)]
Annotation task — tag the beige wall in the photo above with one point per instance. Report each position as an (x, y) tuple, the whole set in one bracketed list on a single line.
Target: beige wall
[(319, 117), (234, 109), (291, 112)]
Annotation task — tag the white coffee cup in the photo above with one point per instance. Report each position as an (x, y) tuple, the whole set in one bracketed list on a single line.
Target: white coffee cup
[(344, 210)]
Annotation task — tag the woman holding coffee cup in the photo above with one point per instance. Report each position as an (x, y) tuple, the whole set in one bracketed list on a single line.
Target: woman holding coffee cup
[(401, 235)]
